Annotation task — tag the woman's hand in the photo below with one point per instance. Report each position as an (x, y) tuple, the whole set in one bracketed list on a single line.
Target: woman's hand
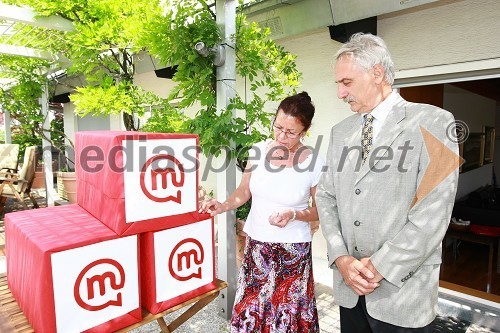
[(211, 206), (281, 219)]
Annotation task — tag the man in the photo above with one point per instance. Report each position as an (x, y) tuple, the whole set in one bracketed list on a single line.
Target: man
[(386, 199)]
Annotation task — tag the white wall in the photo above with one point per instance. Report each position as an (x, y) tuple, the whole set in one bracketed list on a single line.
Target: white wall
[(149, 82), (476, 111), (315, 52), (442, 33)]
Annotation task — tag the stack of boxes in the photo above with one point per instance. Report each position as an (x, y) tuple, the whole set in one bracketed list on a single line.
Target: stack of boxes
[(134, 240)]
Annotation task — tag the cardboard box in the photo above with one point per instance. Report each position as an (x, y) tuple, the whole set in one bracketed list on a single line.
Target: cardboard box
[(70, 273), (178, 264), (137, 182)]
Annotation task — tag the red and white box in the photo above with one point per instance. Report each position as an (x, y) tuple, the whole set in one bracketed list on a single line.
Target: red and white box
[(71, 273), (177, 264), (137, 182)]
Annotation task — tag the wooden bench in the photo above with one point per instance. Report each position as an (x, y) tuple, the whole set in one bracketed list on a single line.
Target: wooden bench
[(13, 320)]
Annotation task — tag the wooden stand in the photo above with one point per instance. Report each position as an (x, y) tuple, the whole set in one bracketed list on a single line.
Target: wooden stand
[(199, 303), (13, 320), (11, 317)]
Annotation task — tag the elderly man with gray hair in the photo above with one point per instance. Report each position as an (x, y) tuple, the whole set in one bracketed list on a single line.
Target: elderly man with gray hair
[(386, 199)]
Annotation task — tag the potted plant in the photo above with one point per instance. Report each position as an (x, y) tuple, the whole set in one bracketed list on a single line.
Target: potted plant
[(66, 185)]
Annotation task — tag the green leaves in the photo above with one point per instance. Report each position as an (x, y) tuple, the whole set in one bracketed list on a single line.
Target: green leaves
[(109, 33), (106, 99), (165, 119), (21, 99), (267, 69)]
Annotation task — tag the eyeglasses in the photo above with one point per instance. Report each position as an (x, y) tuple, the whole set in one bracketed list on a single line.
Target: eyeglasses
[(278, 130)]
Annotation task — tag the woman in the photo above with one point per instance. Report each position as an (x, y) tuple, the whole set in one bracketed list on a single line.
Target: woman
[(275, 285)]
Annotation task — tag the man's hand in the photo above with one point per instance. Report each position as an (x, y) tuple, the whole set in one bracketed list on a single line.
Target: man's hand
[(356, 275), (369, 265)]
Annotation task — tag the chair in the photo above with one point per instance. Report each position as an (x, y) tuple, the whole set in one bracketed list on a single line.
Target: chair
[(9, 157), (18, 184)]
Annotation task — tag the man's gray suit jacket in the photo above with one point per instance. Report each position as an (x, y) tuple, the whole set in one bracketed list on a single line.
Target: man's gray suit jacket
[(369, 210)]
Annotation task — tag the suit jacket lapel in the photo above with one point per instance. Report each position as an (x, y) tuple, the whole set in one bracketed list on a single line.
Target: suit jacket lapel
[(388, 133), (352, 143)]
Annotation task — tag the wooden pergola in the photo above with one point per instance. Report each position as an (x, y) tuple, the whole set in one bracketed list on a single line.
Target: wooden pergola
[(24, 34)]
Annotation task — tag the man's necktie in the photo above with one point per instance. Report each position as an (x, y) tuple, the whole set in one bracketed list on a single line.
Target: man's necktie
[(367, 136)]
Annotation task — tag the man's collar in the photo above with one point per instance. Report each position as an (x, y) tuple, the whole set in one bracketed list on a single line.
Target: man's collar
[(382, 110)]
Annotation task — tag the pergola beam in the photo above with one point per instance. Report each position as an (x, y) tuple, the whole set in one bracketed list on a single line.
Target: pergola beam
[(14, 14), (29, 16), (24, 51)]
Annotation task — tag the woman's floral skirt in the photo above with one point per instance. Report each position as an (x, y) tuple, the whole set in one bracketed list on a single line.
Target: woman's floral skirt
[(275, 289)]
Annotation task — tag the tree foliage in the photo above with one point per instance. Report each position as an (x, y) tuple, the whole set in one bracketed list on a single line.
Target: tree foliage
[(109, 34), (21, 99), (269, 72), (101, 48)]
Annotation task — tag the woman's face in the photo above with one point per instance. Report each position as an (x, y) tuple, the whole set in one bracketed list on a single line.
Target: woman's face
[(287, 130)]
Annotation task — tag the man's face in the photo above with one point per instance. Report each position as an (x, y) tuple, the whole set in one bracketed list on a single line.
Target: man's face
[(356, 86)]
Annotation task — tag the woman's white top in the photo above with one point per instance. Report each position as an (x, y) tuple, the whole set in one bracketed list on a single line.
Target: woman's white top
[(278, 188)]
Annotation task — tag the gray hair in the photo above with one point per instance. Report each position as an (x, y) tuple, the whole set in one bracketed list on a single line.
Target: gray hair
[(368, 50)]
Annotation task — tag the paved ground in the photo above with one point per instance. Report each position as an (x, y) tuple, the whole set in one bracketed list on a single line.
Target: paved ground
[(455, 317), (208, 320)]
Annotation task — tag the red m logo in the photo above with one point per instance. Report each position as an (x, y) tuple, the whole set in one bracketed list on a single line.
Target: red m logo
[(193, 254), (89, 280), (173, 169)]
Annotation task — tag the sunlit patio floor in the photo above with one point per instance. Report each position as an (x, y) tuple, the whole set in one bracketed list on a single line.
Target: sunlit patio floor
[(456, 314)]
